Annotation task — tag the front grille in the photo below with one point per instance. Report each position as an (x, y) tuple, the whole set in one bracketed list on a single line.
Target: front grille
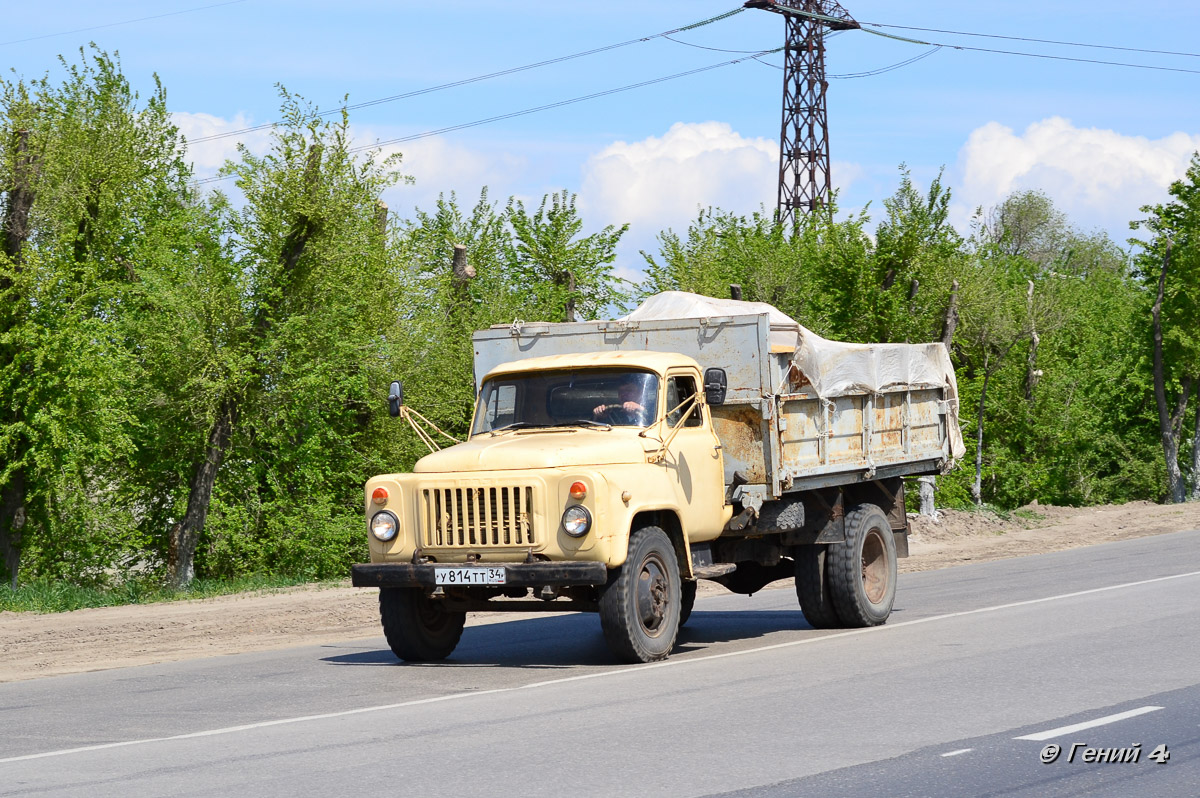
[(477, 517)]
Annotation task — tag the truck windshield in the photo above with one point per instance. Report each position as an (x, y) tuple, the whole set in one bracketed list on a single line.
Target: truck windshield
[(591, 397)]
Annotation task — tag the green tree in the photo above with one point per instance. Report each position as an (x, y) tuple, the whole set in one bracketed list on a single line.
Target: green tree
[(1170, 265), (569, 278), (515, 266), (88, 172), (818, 274), (288, 307), (918, 257), (1064, 415)]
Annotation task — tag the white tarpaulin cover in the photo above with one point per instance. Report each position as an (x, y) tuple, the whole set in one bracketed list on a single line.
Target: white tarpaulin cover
[(834, 368)]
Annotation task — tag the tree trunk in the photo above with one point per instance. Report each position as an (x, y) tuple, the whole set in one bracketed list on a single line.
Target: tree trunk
[(186, 534), (1032, 374), (1195, 496), (570, 309), (462, 273), (381, 218), (12, 519), (85, 233), (14, 232), (977, 485), (927, 486), (1169, 424), (951, 321)]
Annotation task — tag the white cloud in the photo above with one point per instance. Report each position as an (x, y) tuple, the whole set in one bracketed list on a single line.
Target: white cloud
[(660, 182), (209, 156), (436, 165), (1099, 178), (439, 166)]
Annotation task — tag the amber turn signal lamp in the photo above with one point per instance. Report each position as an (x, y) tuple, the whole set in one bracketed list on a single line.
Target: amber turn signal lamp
[(379, 496), (578, 490)]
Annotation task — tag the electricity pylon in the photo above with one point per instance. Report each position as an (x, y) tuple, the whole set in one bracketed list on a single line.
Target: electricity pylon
[(804, 135)]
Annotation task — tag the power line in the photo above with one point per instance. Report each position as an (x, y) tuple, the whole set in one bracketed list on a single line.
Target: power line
[(124, 22), (870, 72), (535, 109), (1039, 41), (825, 18), (478, 78), (1064, 58), (882, 70), (828, 35), (703, 47), (561, 103)]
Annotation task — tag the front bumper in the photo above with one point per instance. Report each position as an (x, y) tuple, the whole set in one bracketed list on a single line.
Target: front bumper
[(537, 574)]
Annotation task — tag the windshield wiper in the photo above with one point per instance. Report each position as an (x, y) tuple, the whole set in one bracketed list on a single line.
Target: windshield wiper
[(586, 422), (516, 425)]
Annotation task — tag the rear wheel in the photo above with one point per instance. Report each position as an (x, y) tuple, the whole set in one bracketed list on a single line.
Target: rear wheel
[(812, 588), (862, 570), (418, 628), (640, 606)]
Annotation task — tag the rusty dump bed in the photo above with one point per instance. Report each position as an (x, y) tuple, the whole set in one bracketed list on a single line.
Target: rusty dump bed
[(774, 426)]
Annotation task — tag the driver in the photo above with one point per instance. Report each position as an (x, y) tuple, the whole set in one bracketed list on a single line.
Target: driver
[(628, 411)]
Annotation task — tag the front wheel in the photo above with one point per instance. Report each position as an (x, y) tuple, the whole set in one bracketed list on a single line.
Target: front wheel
[(418, 628), (640, 605), (862, 570)]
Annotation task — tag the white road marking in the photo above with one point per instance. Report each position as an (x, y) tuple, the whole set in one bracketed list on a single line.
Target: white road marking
[(959, 751), (1064, 730), (599, 675)]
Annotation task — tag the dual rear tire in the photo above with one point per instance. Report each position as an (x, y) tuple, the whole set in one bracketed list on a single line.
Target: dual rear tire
[(850, 584)]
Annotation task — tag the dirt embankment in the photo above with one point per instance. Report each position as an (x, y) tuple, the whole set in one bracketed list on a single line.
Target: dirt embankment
[(32, 645)]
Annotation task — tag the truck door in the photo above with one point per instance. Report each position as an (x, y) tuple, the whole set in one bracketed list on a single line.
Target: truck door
[(694, 459)]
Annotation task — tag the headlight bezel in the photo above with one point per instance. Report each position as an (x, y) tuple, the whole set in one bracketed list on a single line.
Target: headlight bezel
[(384, 515), (580, 522)]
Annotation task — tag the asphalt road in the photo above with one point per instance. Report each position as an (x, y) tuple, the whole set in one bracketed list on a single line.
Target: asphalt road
[(1092, 648)]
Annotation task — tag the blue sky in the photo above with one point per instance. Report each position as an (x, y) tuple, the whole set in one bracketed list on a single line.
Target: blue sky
[(1101, 140)]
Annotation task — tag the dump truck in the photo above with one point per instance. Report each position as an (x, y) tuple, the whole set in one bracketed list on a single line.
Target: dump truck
[(612, 464)]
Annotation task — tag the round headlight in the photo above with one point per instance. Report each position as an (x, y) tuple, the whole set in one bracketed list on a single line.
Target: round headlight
[(384, 526), (577, 521)]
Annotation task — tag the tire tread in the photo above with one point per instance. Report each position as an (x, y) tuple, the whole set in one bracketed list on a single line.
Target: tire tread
[(407, 636), (622, 629), (812, 588), (844, 570)]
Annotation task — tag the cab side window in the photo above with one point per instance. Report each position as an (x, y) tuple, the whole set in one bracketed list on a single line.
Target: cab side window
[(679, 391)]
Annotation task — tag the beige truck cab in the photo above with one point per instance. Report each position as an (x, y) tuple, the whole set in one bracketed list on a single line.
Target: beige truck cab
[(573, 462), (633, 458)]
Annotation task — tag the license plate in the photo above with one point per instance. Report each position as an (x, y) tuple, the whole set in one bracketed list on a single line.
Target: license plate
[(468, 575)]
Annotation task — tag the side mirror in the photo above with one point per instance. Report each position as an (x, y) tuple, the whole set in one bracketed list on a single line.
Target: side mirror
[(395, 399), (714, 386)]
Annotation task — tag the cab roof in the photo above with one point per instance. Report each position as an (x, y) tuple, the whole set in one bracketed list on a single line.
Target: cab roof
[(649, 361)]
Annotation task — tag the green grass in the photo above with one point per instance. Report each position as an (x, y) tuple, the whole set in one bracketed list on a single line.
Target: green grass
[(49, 596)]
